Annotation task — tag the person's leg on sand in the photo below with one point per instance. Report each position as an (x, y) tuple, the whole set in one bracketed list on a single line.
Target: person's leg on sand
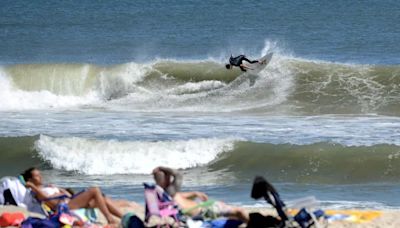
[(83, 201)]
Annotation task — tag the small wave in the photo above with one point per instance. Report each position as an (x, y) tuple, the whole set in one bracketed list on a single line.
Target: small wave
[(91, 156), (323, 87), (314, 163), (17, 154), (319, 163)]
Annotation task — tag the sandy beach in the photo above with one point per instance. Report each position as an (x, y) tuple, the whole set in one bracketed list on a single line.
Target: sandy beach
[(387, 218)]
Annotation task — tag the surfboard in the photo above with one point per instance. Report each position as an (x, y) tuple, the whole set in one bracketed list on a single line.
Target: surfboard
[(255, 68)]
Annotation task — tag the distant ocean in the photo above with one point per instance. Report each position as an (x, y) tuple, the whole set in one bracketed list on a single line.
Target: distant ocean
[(100, 93)]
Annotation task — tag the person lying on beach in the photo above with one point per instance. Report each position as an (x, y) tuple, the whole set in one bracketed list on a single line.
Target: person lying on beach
[(195, 203), (90, 198)]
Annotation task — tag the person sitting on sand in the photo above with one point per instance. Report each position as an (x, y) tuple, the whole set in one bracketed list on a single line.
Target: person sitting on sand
[(168, 179), (187, 201), (90, 198)]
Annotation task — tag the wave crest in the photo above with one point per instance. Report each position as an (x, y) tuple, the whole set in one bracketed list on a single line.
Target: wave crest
[(287, 85), (114, 157)]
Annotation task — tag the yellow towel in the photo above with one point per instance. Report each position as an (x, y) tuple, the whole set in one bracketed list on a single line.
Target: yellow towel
[(357, 216)]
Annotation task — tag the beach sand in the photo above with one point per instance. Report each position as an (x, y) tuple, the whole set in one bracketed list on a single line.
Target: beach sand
[(387, 218)]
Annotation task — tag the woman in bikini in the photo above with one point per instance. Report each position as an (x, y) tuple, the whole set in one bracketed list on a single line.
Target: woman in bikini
[(90, 198)]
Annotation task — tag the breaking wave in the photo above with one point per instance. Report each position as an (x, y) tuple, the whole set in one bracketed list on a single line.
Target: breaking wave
[(287, 85), (313, 163)]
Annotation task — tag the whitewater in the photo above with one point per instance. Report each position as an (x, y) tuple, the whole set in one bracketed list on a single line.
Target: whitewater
[(289, 85)]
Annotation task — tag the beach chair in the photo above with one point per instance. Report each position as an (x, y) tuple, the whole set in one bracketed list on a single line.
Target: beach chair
[(64, 215), (14, 192), (303, 218), (159, 203)]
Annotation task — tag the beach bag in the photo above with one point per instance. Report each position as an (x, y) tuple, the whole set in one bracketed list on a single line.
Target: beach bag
[(130, 220), (258, 220), (63, 216), (11, 219)]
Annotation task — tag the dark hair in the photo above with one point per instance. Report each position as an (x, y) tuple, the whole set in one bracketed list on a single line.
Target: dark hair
[(228, 66), (160, 178), (27, 174)]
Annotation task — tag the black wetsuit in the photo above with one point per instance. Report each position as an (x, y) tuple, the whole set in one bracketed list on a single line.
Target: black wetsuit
[(236, 61)]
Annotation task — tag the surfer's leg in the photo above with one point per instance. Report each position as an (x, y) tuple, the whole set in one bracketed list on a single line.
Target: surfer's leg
[(249, 61)]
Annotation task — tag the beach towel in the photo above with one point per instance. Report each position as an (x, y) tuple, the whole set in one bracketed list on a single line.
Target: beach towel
[(355, 216), (210, 209), (159, 203)]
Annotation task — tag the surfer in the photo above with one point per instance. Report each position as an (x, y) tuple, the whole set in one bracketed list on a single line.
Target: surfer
[(237, 61)]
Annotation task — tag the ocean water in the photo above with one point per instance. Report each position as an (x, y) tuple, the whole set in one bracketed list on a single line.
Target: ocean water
[(100, 93)]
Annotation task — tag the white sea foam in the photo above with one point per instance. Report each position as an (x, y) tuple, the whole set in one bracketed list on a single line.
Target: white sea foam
[(16, 99), (66, 86), (91, 156), (192, 87), (118, 81)]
